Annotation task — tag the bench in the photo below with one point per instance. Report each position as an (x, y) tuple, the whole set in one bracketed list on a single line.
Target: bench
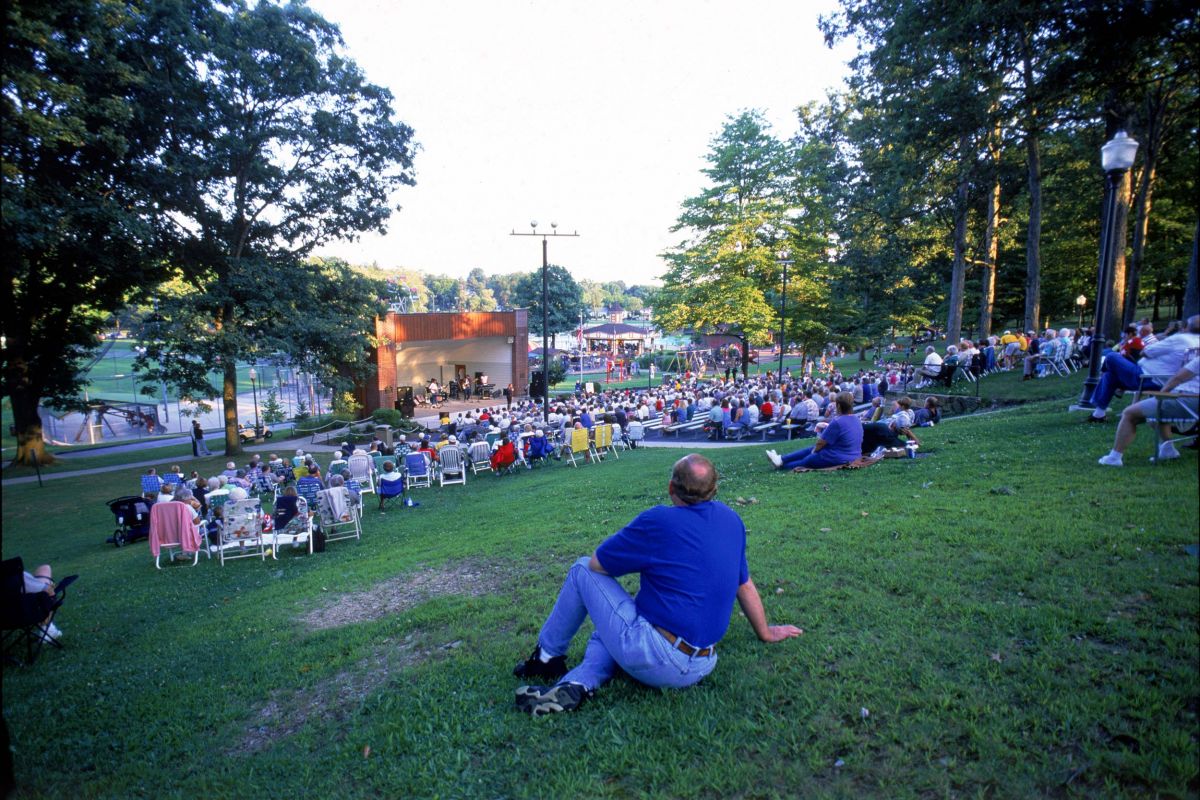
[(765, 428), (695, 424)]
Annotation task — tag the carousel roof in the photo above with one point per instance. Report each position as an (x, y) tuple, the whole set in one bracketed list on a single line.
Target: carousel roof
[(614, 329)]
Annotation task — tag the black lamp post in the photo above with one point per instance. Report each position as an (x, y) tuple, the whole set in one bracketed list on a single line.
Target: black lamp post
[(545, 311), (1116, 157), (783, 262), (254, 389)]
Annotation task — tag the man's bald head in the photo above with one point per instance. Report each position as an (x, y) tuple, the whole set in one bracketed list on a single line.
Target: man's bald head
[(694, 479)]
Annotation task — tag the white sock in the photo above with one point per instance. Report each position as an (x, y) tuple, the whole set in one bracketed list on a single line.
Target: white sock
[(543, 656), (1100, 413), (1167, 449), (1114, 454)]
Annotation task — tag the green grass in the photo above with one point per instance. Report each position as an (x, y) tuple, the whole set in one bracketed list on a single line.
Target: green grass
[(1019, 622)]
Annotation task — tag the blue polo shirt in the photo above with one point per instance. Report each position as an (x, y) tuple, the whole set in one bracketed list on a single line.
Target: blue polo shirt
[(691, 560), (843, 439)]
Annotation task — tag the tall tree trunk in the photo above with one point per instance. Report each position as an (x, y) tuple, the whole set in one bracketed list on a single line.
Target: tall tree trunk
[(959, 270), (1033, 161), (30, 442), (1191, 291), (1158, 101), (1112, 325), (233, 442), (991, 242), (1157, 298)]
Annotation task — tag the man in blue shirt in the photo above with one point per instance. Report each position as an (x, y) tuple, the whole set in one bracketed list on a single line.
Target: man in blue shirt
[(691, 558)]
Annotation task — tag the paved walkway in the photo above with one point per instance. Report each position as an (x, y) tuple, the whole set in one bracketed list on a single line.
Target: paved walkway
[(286, 447)]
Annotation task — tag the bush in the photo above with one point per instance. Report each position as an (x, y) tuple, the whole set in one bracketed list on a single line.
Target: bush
[(345, 406), (388, 416)]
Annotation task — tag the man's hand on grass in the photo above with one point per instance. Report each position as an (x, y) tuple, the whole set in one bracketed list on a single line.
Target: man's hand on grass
[(777, 633)]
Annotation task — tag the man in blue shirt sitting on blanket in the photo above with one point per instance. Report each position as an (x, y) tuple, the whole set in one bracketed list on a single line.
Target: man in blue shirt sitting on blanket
[(691, 557)]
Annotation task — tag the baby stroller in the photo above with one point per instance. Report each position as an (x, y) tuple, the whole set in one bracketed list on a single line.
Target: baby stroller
[(133, 520)]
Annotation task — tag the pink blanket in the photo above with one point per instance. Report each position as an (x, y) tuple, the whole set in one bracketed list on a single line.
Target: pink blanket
[(171, 524)]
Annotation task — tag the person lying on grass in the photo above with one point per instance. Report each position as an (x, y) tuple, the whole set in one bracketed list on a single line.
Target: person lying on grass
[(1183, 382), (691, 559), (838, 442), (885, 435)]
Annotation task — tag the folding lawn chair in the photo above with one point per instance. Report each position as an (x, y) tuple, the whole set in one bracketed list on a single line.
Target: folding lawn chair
[(172, 528), (390, 489), (362, 469), (338, 520), (416, 471), (242, 531), (481, 457), (577, 445), (635, 434), (453, 468), (26, 616), (296, 531)]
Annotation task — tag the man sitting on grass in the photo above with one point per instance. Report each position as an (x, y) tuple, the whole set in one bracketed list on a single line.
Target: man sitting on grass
[(691, 558), (1183, 382)]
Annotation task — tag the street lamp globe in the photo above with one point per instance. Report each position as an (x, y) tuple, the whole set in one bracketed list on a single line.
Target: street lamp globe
[(253, 374), (1119, 152), (1081, 301)]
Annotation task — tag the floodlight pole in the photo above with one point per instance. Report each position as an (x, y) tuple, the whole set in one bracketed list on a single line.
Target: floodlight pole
[(783, 262), (545, 310)]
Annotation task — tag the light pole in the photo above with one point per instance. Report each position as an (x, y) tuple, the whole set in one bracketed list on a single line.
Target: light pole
[(545, 310), (1081, 301), (1116, 157), (783, 262), (254, 390)]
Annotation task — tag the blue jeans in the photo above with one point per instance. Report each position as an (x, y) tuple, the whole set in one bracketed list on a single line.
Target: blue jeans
[(808, 458), (1117, 372), (623, 638)]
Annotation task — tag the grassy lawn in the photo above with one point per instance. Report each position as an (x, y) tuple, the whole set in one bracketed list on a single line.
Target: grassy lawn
[(1016, 620)]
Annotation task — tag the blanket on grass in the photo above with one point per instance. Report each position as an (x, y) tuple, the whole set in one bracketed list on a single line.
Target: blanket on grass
[(858, 463)]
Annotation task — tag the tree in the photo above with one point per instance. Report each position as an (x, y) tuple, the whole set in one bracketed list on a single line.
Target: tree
[(278, 145), (80, 176), (765, 197), (564, 296)]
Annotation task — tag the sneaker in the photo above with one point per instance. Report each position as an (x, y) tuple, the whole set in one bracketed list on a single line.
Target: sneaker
[(1112, 460), (534, 667), (538, 701), (774, 459), (1166, 452)]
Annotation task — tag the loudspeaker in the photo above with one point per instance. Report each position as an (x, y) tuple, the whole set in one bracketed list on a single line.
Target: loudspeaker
[(537, 384)]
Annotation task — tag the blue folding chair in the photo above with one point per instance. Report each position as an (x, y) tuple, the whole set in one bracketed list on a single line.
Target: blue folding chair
[(390, 489)]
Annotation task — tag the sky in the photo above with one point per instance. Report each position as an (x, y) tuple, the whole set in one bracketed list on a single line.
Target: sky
[(594, 115)]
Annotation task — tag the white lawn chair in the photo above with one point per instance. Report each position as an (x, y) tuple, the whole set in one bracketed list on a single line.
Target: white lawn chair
[(362, 469), (297, 532), (336, 515), (241, 531), (635, 434), (481, 457), (453, 467)]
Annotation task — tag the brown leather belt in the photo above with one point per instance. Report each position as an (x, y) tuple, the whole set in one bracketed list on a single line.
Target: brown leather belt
[(679, 644)]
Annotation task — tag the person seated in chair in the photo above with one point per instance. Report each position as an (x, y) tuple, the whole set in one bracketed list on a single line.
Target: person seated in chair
[(840, 442), (538, 447), (428, 449), (504, 456), (312, 479), (932, 367), (39, 586), (230, 470), (1162, 358), (1184, 382)]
